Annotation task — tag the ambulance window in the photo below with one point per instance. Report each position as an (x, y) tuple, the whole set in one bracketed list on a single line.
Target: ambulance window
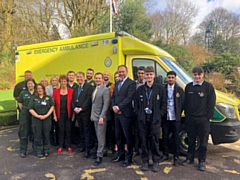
[(161, 72), (141, 62)]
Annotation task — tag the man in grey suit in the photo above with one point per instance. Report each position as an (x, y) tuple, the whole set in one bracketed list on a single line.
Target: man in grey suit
[(100, 108)]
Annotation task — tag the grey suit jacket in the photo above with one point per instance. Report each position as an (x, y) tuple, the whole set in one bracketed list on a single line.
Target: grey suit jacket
[(101, 103)]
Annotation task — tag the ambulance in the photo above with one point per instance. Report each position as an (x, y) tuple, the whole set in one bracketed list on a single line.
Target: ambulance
[(105, 52)]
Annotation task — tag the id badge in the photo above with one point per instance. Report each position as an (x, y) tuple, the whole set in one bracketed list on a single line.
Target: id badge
[(44, 103)]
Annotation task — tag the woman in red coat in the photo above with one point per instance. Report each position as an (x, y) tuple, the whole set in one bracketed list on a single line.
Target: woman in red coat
[(63, 113)]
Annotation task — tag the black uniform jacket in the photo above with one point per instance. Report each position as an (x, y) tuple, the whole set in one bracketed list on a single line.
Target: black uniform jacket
[(178, 101), (159, 100), (84, 100), (123, 98)]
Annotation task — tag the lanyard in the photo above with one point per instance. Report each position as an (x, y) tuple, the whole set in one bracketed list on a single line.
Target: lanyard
[(148, 96)]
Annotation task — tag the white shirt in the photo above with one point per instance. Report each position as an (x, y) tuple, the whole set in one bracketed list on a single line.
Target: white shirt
[(170, 103)]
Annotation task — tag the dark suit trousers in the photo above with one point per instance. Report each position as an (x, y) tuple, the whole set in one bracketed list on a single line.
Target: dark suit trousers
[(150, 132), (123, 130), (64, 125), (85, 129), (171, 127), (197, 126)]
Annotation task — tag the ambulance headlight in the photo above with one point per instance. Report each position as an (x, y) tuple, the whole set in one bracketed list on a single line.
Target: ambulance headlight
[(227, 110)]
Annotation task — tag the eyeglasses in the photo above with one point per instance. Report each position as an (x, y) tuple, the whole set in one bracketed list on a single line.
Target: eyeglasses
[(140, 73)]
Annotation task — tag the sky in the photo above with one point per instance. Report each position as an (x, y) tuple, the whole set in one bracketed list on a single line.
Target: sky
[(206, 6)]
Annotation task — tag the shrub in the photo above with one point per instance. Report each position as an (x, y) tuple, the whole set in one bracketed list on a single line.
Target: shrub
[(8, 118)]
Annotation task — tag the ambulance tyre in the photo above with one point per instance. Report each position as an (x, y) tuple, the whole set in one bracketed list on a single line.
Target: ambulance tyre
[(184, 142)]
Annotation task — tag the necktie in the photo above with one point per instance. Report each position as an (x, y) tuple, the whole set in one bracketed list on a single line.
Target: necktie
[(94, 93), (79, 90), (120, 85)]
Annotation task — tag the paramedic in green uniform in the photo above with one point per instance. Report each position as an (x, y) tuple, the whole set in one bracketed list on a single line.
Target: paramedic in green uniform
[(25, 116), (41, 107)]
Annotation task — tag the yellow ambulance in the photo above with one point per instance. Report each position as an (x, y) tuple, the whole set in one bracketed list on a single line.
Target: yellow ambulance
[(105, 52)]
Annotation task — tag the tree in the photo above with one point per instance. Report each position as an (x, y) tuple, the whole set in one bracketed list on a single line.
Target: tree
[(225, 27), (133, 18), (198, 53), (7, 10), (79, 16), (174, 22)]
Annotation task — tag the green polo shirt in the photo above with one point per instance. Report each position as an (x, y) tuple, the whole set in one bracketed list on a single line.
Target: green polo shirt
[(41, 105), (92, 83), (24, 98)]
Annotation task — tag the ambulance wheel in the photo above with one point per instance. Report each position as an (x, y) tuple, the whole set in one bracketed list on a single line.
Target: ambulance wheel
[(184, 142)]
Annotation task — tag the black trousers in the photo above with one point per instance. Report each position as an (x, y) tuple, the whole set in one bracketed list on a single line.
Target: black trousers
[(197, 126), (123, 131), (171, 127), (75, 133), (149, 132), (136, 135), (85, 131), (64, 135), (110, 134)]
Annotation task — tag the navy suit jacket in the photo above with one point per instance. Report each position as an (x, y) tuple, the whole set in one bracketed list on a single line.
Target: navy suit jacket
[(123, 98)]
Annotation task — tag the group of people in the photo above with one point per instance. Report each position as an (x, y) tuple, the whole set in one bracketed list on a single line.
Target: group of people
[(124, 116)]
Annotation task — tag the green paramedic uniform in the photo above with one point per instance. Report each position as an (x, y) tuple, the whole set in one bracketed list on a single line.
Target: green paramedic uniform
[(24, 120), (41, 128)]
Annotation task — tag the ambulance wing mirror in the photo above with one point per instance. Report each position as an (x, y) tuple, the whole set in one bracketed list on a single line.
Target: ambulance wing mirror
[(159, 79)]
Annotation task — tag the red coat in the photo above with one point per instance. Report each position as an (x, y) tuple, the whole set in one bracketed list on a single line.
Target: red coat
[(56, 99)]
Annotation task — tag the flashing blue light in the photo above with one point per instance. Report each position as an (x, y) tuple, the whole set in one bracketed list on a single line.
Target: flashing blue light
[(114, 41), (16, 53)]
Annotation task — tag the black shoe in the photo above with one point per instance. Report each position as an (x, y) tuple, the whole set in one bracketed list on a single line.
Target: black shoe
[(175, 161), (86, 154), (187, 162), (126, 163), (117, 159), (98, 161), (23, 155), (201, 166), (40, 155), (135, 153), (144, 167), (163, 158), (80, 150), (155, 167), (46, 154)]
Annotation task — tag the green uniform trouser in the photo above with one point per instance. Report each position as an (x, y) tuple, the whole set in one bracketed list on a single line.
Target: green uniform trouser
[(24, 129), (41, 134)]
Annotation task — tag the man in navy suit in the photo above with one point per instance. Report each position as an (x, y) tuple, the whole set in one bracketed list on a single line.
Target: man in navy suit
[(81, 104), (122, 106)]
